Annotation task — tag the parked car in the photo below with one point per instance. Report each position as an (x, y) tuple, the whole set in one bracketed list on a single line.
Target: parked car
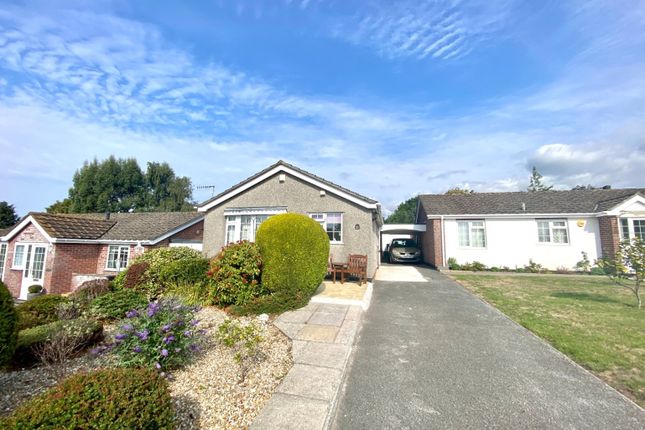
[(404, 251)]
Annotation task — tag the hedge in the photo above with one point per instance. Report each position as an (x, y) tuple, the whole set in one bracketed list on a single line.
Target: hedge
[(114, 305), (39, 310), (103, 399), (8, 325), (294, 250)]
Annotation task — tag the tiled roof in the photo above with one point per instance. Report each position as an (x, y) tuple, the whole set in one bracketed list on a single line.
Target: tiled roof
[(143, 226), (297, 169), (541, 202)]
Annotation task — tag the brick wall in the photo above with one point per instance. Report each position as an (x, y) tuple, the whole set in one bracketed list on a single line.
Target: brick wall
[(71, 259), (431, 240), (609, 235)]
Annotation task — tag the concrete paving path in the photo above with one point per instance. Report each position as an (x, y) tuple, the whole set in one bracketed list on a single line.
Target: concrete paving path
[(322, 337), (431, 355)]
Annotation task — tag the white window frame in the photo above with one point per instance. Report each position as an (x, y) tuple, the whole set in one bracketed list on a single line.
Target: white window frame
[(20, 266), (321, 218), (4, 248), (470, 229), (630, 227), (235, 221), (118, 267), (552, 228)]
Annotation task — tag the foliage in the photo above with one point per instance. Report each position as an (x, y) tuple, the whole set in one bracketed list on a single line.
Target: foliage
[(119, 185), (627, 268), (452, 264), (194, 293), (405, 213), (162, 336), (32, 340), (108, 398), (475, 266), (294, 252), (584, 265), (597, 271), (535, 182), (534, 267), (34, 289), (90, 290), (456, 191), (115, 304), (170, 266), (8, 215), (135, 275), (8, 325), (235, 274), (591, 187), (39, 310), (244, 340), (587, 318)]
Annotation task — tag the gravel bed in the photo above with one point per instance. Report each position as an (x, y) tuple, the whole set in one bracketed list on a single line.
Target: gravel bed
[(208, 393)]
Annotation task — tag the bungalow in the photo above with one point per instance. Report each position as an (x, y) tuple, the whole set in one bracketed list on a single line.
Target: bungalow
[(351, 221), (59, 251), (552, 228)]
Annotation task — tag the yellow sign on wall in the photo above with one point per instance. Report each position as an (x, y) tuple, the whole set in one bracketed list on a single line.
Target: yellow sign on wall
[(580, 223)]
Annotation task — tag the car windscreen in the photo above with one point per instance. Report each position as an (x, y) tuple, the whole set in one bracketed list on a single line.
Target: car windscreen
[(404, 243)]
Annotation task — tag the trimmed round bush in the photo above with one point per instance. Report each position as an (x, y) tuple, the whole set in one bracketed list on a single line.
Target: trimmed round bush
[(109, 398), (8, 325), (294, 250), (34, 289), (39, 310), (235, 274), (89, 290), (115, 304)]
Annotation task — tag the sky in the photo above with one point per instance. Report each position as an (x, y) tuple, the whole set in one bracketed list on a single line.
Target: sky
[(387, 98)]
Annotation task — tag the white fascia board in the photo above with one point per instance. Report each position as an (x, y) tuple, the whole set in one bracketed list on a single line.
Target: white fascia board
[(510, 216), (412, 227), (618, 209), (23, 224), (101, 242), (298, 175), (175, 231)]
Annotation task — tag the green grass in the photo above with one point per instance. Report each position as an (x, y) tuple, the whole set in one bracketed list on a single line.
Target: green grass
[(589, 318)]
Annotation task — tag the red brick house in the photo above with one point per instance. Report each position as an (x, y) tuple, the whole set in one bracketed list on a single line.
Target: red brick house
[(551, 228), (58, 251)]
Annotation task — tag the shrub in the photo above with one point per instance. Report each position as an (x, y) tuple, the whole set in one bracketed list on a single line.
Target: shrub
[(476, 266), (294, 250), (596, 270), (90, 290), (32, 340), (584, 264), (235, 274), (162, 336), (114, 305), (39, 310), (109, 398), (452, 264), (8, 325), (118, 282), (533, 267), (244, 340), (562, 270), (494, 269), (34, 289), (195, 294), (135, 275)]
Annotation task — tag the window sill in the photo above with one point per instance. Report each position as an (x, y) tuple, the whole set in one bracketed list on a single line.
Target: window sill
[(336, 243)]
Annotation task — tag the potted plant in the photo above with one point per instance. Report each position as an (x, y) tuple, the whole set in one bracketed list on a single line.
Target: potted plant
[(34, 291)]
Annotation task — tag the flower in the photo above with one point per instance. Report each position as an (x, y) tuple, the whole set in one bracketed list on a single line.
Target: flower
[(157, 365), (153, 308), (165, 328), (137, 349), (132, 313), (194, 323), (168, 339), (120, 336), (127, 327), (143, 334), (193, 347), (164, 352)]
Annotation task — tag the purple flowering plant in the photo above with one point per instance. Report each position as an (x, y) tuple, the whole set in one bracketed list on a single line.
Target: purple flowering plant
[(162, 336)]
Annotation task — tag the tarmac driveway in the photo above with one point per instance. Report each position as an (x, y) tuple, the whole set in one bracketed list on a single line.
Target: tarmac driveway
[(431, 355)]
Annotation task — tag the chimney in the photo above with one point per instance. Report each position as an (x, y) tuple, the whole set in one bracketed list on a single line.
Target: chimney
[(523, 207)]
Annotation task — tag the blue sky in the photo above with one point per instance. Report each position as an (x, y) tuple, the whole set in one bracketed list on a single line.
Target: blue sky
[(387, 98)]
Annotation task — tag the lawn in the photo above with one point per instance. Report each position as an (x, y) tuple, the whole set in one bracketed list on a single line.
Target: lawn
[(590, 319)]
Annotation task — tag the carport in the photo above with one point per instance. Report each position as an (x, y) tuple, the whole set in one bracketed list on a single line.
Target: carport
[(393, 231)]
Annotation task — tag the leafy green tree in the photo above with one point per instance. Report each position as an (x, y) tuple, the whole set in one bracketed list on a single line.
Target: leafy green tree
[(405, 213), (119, 185), (535, 182), (8, 215), (627, 267), (456, 191)]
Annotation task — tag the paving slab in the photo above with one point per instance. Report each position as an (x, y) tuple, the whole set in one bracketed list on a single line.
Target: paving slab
[(314, 382), (319, 354), (318, 333), (432, 355), (288, 412), (347, 332), (327, 318), (296, 317), (291, 330)]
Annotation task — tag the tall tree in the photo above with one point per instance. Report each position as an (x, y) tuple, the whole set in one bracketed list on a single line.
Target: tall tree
[(456, 191), (119, 185), (8, 215), (405, 213), (535, 182)]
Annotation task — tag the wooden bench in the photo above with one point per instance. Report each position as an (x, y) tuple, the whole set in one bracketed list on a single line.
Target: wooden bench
[(356, 266)]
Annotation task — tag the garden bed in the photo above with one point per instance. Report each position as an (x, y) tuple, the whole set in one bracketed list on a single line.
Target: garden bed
[(207, 393)]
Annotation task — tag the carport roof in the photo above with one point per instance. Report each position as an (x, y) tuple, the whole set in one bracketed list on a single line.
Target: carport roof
[(540, 202)]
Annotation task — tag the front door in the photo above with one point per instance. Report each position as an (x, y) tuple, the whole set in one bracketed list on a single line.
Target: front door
[(34, 270)]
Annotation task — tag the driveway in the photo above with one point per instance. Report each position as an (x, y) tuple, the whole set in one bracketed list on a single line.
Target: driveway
[(431, 355)]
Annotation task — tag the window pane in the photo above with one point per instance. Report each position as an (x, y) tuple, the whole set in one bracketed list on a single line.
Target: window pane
[(463, 234), (543, 231), (230, 233), (113, 253), (245, 228), (39, 262), (624, 226), (560, 235), (3, 256), (124, 252), (19, 255), (478, 238), (639, 228)]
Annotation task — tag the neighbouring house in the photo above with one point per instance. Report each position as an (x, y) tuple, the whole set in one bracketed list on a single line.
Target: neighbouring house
[(551, 228), (352, 221), (60, 251)]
